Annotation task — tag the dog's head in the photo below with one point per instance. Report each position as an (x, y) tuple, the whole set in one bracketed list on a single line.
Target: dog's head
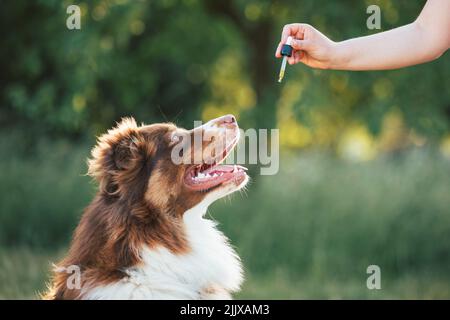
[(170, 169)]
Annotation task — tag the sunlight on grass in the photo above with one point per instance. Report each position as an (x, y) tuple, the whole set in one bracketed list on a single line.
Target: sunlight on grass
[(24, 272)]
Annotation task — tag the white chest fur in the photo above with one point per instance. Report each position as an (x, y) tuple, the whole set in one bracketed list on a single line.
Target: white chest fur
[(211, 269)]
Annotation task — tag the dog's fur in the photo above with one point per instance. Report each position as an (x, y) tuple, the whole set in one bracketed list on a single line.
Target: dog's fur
[(144, 236)]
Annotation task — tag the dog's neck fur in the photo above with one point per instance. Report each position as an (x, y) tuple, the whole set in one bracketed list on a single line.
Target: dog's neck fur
[(210, 270)]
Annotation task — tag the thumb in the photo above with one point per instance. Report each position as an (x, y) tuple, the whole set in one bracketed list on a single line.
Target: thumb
[(301, 44)]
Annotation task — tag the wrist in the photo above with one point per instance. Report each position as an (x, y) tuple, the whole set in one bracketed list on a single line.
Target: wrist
[(339, 57)]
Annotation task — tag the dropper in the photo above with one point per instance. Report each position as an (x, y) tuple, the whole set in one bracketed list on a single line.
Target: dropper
[(286, 51)]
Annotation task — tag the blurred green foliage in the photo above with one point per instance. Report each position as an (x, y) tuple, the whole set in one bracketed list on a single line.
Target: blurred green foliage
[(182, 60), (161, 59)]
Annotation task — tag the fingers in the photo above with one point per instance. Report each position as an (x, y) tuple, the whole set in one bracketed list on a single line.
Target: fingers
[(295, 30), (299, 56), (291, 59), (278, 51), (301, 44), (295, 58), (297, 45)]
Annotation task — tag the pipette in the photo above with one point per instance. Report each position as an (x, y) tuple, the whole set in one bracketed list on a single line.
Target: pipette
[(286, 51)]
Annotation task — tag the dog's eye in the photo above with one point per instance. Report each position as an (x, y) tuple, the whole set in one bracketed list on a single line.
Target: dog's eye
[(175, 138)]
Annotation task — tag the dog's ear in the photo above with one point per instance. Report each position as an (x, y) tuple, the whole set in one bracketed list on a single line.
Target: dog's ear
[(117, 155)]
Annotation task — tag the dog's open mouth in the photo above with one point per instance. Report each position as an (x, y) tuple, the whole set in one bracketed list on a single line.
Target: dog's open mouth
[(207, 176)]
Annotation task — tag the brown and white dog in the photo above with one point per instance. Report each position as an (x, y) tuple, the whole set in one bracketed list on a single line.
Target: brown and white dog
[(144, 235)]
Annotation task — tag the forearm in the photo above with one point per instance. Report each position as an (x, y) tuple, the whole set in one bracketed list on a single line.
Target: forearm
[(400, 47)]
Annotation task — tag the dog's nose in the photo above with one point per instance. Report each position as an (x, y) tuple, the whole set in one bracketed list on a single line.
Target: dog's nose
[(228, 119)]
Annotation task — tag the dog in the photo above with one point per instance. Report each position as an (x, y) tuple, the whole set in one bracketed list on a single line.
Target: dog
[(144, 235)]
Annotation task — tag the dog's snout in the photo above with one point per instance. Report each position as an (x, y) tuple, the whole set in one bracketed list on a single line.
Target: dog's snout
[(229, 119), (226, 120)]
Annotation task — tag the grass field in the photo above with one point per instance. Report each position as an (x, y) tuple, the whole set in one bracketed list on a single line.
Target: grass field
[(308, 232), (24, 274)]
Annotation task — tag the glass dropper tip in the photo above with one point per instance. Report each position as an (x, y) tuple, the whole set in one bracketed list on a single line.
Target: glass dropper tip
[(282, 69)]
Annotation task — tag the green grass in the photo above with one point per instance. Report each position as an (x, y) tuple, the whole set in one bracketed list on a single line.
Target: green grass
[(42, 193), (281, 286), (24, 273), (308, 232)]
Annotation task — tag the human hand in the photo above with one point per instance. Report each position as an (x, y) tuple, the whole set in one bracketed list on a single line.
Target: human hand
[(310, 46)]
